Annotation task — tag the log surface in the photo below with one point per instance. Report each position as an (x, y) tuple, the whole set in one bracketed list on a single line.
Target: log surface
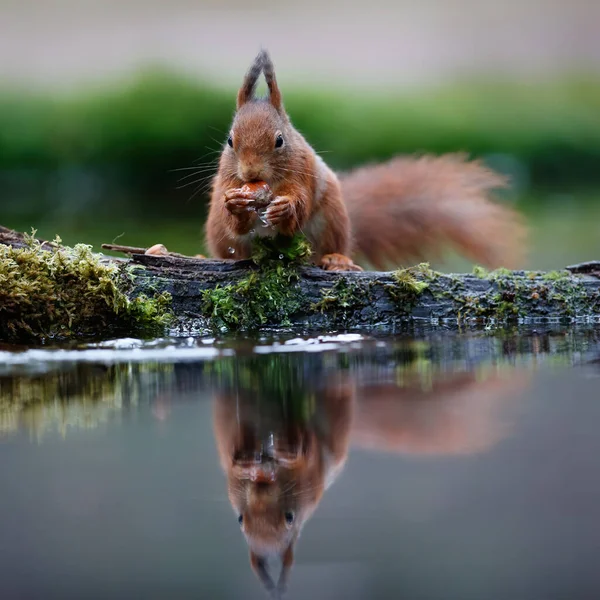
[(332, 300), (452, 299)]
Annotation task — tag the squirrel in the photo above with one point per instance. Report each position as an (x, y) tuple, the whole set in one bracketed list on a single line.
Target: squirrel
[(279, 462), (278, 467), (408, 207)]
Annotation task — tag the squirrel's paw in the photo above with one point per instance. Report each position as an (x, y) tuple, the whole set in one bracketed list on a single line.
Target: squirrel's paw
[(247, 199), (239, 205), (338, 262), (280, 211)]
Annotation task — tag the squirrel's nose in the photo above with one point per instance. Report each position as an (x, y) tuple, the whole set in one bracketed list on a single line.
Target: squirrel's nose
[(262, 475), (250, 172)]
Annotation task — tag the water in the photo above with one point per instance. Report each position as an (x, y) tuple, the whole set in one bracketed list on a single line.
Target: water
[(459, 466)]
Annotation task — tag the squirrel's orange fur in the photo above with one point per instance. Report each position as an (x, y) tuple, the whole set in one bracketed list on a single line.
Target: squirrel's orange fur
[(277, 466), (403, 209), (277, 462)]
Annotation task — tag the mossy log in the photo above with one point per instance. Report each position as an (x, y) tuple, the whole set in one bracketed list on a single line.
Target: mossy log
[(330, 300), (279, 292)]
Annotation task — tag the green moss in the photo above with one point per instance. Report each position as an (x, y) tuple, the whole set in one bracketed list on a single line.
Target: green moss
[(69, 292), (281, 379), (555, 275), (409, 285), (294, 249), (480, 272), (513, 296), (570, 295), (407, 281), (267, 296), (327, 302), (79, 395), (500, 272), (344, 299)]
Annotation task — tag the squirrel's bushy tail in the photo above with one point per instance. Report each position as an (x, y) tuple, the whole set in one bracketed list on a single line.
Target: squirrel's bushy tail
[(411, 208)]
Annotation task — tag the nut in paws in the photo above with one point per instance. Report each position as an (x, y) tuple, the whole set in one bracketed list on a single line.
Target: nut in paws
[(239, 206)]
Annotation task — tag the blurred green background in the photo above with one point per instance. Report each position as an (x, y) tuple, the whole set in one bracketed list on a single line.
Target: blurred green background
[(101, 102)]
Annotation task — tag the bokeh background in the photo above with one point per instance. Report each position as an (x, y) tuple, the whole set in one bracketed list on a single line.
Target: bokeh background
[(100, 102)]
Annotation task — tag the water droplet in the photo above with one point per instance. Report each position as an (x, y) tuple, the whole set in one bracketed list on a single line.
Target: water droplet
[(263, 217), (281, 257), (252, 231), (231, 250)]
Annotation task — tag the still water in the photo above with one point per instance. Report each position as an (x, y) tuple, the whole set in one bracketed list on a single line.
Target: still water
[(435, 465)]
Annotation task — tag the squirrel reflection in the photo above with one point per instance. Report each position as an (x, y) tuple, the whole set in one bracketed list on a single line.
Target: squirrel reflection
[(282, 448)]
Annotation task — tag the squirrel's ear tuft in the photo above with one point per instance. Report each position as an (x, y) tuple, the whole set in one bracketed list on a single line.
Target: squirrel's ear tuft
[(262, 63), (259, 566), (246, 92), (269, 71)]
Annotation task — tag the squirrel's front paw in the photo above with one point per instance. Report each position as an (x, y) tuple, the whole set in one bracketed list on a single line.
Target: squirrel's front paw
[(280, 212), (239, 205), (248, 198)]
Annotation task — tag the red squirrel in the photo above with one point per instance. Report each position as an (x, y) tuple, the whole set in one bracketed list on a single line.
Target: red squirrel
[(278, 467), (279, 462), (402, 209)]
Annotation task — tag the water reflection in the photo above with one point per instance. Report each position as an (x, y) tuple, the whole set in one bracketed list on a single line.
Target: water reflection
[(81, 396), (285, 420), (284, 434)]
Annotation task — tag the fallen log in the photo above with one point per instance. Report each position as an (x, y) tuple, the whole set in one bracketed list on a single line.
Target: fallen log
[(276, 290)]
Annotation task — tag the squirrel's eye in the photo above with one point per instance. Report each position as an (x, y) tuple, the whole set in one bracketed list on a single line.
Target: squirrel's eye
[(289, 517), (279, 141), (241, 519), (230, 141)]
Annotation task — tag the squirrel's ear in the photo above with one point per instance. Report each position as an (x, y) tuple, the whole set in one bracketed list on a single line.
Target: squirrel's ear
[(269, 71), (246, 92), (287, 560), (259, 566)]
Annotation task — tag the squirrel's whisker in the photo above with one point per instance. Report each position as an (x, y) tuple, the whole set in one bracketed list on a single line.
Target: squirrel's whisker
[(210, 153), (194, 174), (183, 169), (196, 167), (201, 180), (181, 187), (196, 192), (217, 130), (216, 141), (203, 188)]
